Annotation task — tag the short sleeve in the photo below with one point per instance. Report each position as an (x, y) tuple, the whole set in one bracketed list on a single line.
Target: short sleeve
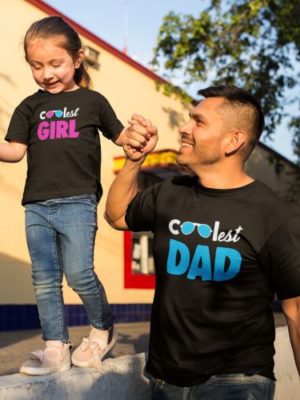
[(280, 256), (19, 126), (110, 125), (141, 212)]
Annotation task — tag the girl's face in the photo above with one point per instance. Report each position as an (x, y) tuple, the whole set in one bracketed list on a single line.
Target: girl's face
[(52, 67)]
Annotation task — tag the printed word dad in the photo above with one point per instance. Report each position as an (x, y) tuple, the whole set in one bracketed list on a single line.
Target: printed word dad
[(225, 266), (57, 130)]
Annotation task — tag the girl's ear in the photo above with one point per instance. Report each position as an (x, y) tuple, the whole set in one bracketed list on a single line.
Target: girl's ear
[(79, 58), (236, 140)]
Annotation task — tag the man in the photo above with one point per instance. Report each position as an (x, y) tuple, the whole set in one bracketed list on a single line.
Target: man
[(224, 245)]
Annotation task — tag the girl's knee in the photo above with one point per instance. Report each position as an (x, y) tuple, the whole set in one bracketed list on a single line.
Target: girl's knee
[(81, 280)]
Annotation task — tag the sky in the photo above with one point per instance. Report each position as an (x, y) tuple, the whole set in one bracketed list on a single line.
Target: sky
[(135, 24)]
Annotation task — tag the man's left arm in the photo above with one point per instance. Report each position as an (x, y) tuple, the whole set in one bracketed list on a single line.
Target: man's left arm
[(291, 309)]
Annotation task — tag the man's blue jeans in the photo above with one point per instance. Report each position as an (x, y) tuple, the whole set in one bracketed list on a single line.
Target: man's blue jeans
[(218, 387), (61, 236)]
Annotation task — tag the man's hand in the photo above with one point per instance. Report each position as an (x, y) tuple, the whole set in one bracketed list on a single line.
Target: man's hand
[(138, 140), (141, 138)]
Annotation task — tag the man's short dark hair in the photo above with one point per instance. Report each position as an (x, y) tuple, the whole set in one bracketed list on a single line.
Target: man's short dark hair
[(239, 97)]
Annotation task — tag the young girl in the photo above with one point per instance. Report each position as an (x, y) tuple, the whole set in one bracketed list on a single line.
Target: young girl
[(58, 128)]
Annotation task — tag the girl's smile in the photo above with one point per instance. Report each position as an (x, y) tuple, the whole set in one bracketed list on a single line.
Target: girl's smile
[(52, 66)]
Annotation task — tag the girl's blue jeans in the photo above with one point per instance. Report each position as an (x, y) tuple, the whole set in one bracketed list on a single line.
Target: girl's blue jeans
[(217, 387), (61, 237)]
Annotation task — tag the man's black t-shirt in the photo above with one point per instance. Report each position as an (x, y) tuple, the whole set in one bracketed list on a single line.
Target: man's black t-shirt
[(61, 131), (220, 256)]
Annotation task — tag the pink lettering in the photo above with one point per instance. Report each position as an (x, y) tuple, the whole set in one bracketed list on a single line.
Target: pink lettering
[(49, 114), (61, 129), (43, 131), (72, 129), (52, 129)]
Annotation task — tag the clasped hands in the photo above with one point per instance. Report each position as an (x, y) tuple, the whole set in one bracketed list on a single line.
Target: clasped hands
[(140, 138)]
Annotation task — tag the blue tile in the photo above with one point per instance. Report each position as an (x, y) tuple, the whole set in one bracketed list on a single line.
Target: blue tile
[(25, 316)]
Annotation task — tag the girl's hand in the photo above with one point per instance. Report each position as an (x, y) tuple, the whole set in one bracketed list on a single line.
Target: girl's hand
[(141, 138), (12, 151)]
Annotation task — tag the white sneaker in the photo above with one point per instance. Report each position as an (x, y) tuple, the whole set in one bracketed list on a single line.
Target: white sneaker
[(55, 357), (90, 353)]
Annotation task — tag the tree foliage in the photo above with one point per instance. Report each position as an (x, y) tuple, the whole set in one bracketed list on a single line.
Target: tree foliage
[(254, 44)]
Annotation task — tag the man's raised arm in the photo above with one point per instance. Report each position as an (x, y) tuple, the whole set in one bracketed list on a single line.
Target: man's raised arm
[(125, 187)]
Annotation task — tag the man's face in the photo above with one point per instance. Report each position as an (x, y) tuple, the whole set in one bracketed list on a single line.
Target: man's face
[(203, 137)]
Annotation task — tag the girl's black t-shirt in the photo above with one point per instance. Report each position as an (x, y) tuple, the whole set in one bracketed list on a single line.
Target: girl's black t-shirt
[(220, 257), (62, 135)]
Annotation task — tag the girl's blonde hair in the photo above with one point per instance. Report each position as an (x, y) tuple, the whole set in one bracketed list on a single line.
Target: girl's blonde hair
[(56, 26)]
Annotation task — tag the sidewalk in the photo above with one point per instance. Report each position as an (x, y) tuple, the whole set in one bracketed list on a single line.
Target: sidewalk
[(133, 338), (16, 345)]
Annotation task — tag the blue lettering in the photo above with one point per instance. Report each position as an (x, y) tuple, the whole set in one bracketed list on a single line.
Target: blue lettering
[(201, 257), (178, 258), (226, 266), (235, 260)]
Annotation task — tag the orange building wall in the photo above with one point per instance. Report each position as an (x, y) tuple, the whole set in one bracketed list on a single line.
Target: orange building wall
[(129, 90)]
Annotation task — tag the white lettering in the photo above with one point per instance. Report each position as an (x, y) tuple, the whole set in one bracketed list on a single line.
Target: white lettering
[(43, 115), (171, 226)]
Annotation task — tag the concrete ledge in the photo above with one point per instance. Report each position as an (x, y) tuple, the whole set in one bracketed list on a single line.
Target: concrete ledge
[(122, 378)]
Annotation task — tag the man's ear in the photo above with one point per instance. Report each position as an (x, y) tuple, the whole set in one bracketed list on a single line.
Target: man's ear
[(236, 140)]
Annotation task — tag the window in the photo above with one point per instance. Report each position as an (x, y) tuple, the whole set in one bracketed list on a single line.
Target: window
[(139, 263), (138, 253), (142, 254), (138, 260), (91, 56)]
